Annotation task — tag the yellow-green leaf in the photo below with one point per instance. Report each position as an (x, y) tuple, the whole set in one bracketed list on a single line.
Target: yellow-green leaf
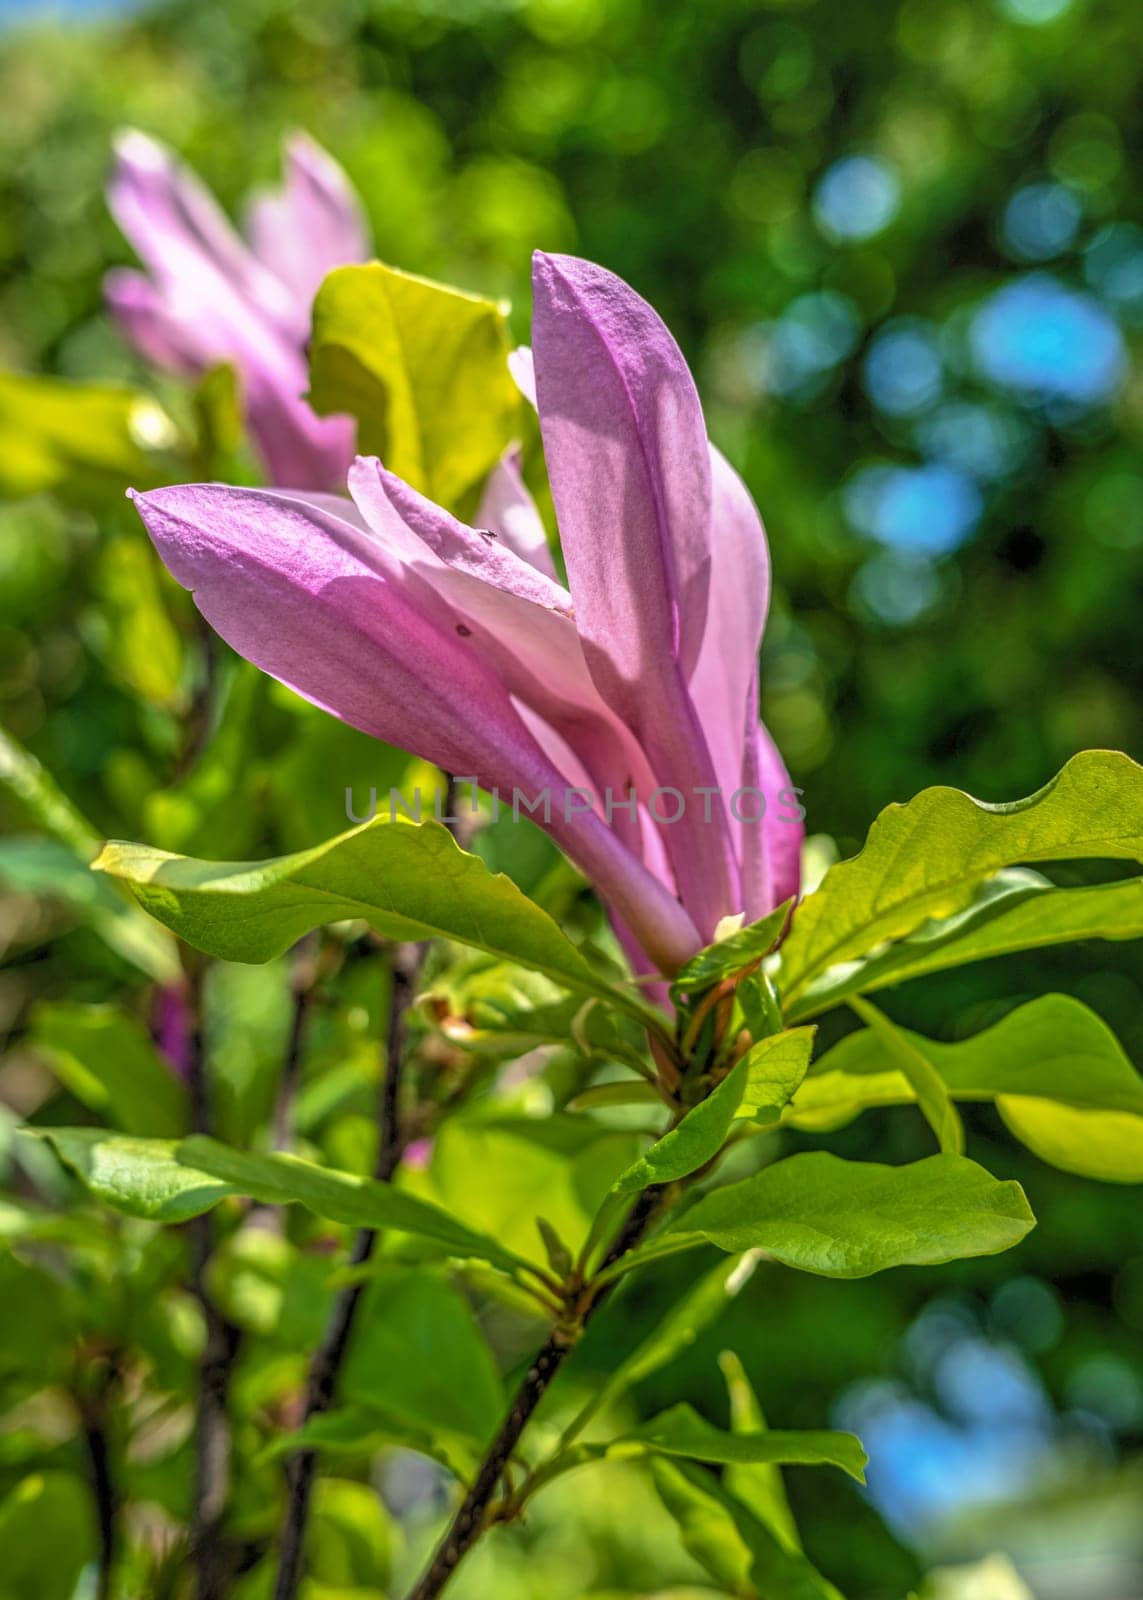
[(81, 439), (929, 858), (423, 368)]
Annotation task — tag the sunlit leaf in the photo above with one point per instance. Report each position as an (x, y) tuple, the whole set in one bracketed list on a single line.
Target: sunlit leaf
[(84, 440), (732, 955), (423, 368), (1055, 1071), (557, 1167), (757, 1485), (756, 1088), (929, 857), (173, 1180), (675, 1332), (408, 880), (1011, 913), (419, 1358), (847, 1219), (59, 866), (735, 1547), (926, 1082)]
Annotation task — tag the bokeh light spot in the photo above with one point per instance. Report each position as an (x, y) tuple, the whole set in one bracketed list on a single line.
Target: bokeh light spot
[(927, 510), (1047, 342), (903, 369), (1035, 12), (856, 198), (1041, 220)]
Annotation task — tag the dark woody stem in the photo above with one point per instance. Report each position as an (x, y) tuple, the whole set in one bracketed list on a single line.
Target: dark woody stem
[(474, 1514), (213, 1441), (321, 1385)]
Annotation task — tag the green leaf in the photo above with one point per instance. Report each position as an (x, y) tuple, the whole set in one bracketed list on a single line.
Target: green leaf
[(48, 1535), (928, 859), (419, 1359), (31, 864), (44, 800), (558, 1166), (735, 1547), (756, 1088), (756, 1485), (681, 1431), (107, 1059), (172, 1180), (1016, 910), (619, 1092), (728, 957), (351, 1538), (266, 1286), (926, 1082), (676, 1331), (408, 880), (1056, 1072), (501, 1009), (360, 1431), (848, 1219), (706, 1527), (134, 634), (423, 368), (59, 866), (85, 440)]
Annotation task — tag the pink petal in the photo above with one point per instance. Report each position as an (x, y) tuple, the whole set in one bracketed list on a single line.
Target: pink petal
[(721, 685), (311, 225), (523, 370), (507, 508), (630, 471), (147, 322), (182, 235), (210, 300), (327, 609), (771, 848), (521, 620)]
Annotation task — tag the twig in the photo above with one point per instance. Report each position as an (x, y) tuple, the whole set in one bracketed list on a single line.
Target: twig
[(474, 1513), (303, 975), (213, 1443), (404, 965), (95, 1418)]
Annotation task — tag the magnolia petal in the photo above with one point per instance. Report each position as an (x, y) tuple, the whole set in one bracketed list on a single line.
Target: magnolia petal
[(523, 370), (508, 510), (311, 225), (146, 321), (479, 553), (327, 610), (210, 300), (519, 619), (629, 466), (182, 235), (771, 847), (721, 685)]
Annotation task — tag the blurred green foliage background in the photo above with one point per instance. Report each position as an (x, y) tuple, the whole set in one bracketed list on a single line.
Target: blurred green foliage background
[(901, 244)]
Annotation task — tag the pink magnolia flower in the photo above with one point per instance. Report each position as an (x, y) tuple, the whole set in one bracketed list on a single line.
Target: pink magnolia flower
[(209, 295), (460, 644)]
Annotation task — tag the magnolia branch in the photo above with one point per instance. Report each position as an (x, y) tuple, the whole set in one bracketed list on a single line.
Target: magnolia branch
[(213, 1442), (404, 966), (476, 1511)]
